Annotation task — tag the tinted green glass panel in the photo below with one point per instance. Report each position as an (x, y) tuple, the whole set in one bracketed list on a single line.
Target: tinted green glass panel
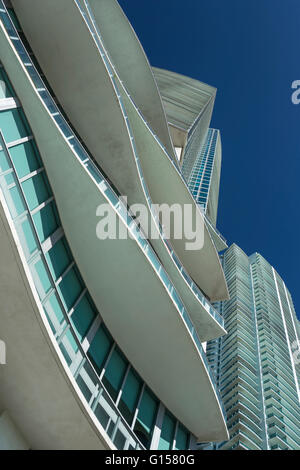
[(167, 432), (12, 124), (182, 438), (100, 347), (4, 162), (25, 158), (58, 258), (115, 372), (29, 236), (36, 191), (130, 394), (9, 178), (146, 417), (43, 277), (56, 308), (46, 221), (15, 202), (72, 341), (6, 90), (83, 317), (70, 288), (14, 18)]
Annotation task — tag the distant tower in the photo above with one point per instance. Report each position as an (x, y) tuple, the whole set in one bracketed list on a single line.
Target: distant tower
[(256, 363), (204, 180)]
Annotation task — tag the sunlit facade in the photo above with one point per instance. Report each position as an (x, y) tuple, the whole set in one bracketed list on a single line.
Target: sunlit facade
[(85, 320)]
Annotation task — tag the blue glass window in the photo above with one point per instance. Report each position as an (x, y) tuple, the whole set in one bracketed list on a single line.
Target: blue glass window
[(70, 288), (182, 438), (167, 432), (83, 317), (36, 191), (100, 347), (46, 221), (15, 202), (13, 125), (43, 282), (6, 90), (54, 313), (4, 162), (25, 158), (28, 237), (58, 258), (146, 418), (114, 373), (130, 394)]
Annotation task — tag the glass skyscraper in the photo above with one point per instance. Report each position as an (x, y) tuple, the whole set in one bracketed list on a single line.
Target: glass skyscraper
[(204, 180), (255, 364)]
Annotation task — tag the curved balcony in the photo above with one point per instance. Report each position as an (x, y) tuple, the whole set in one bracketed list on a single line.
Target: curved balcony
[(95, 128), (218, 239), (127, 54), (150, 299), (207, 321), (185, 100)]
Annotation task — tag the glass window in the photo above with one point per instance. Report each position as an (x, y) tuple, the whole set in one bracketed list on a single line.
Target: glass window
[(58, 258), (114, 373), (146, 418), (36, 191), (83, 317), (6, 90), (70, 288), (167, 432), (13, 125), (182, 438), (100, 347), (130, 394), (41, 279), (25, 158), (14, 18), (54, 313), (15, 201), (9, 178), (27, 237), (68, 347), (46, 221), (4, 162), (71, 340)]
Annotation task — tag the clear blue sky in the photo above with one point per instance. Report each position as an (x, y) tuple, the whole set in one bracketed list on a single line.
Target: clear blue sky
[(249, 50)]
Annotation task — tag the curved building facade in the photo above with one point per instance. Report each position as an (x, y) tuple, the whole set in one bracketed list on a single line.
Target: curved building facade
[(98, 333)]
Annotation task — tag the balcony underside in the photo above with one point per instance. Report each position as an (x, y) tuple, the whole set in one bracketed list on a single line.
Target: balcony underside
[(169, 188), (177, 89), (127, 54), (35, 388), (126, 289), (71, 61)]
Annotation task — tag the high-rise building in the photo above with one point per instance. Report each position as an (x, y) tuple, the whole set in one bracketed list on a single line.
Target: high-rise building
[(103, 337), (256, 364), (188, 105), (204, 181)]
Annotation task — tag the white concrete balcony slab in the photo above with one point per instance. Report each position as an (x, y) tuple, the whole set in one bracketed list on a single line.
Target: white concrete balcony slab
[(146, 317)]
